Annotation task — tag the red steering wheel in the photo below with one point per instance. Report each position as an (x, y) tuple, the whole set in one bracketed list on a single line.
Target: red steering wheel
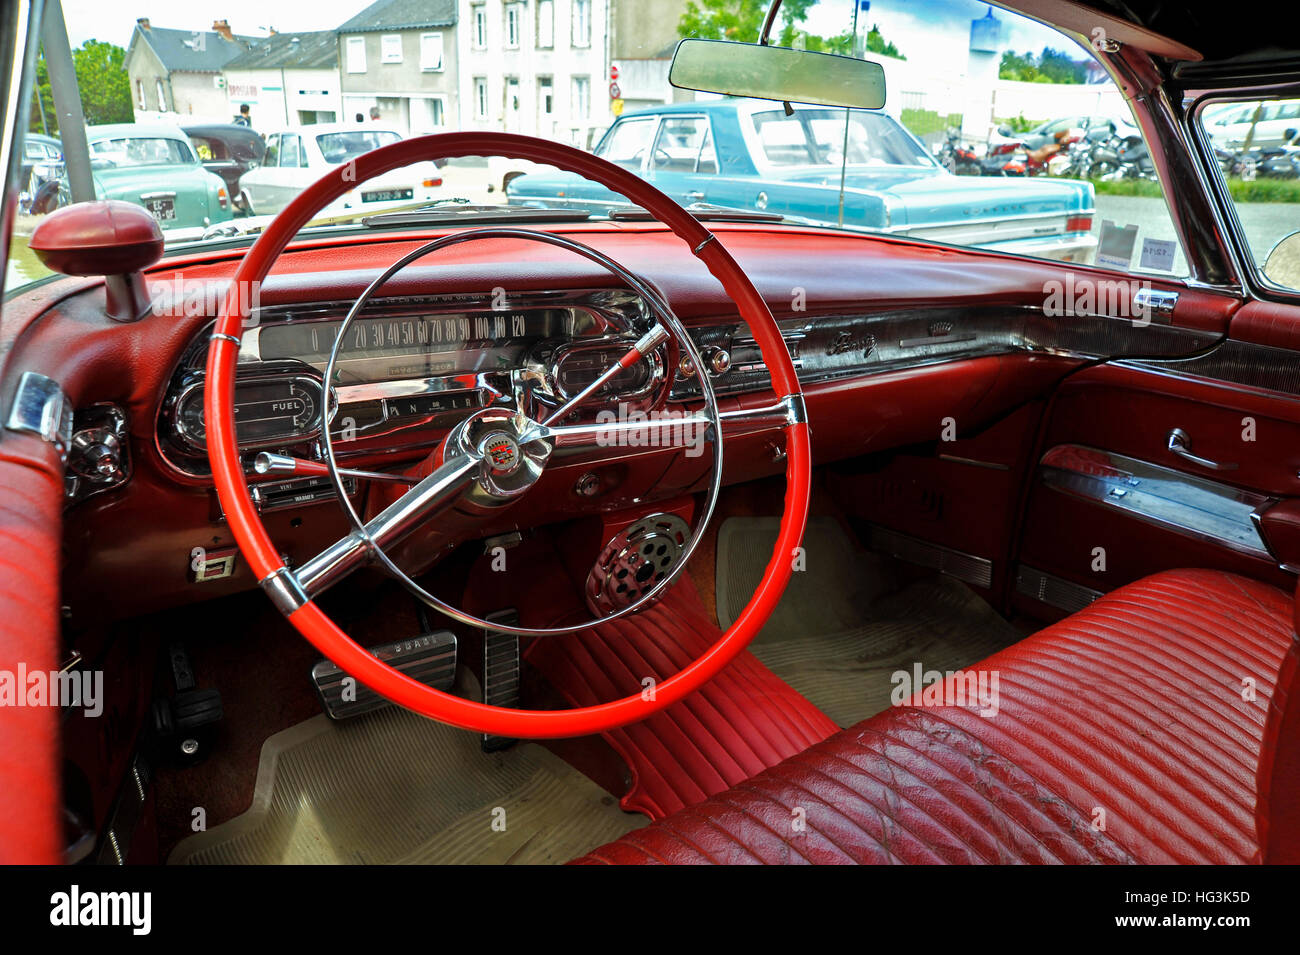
[(283, 586)]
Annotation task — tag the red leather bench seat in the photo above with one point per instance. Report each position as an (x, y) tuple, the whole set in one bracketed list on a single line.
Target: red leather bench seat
[(1130, 732)]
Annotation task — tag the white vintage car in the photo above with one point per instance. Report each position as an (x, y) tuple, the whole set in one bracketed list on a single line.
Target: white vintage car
[(297, 156)]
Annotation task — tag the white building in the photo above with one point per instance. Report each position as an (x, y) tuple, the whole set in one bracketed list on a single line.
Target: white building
[(287, 79), (537, 67)]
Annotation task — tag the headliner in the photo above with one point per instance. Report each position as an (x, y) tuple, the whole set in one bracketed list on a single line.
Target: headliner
[(1217, 33)]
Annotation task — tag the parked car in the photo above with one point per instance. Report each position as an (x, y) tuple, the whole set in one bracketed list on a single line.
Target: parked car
[(1273, 123), (155, 166), (752, 155), (1093, 128), (42, 166), (229, 150), (297, 156)]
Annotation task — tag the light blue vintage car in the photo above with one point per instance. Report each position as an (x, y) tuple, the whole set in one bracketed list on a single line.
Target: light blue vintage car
[(154, 165), (751, 154)]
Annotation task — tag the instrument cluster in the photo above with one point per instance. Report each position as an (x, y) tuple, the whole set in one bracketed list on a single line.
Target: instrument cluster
[(408, 369)]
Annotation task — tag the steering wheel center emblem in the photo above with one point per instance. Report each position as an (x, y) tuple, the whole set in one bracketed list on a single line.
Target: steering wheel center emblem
[(501, 452)]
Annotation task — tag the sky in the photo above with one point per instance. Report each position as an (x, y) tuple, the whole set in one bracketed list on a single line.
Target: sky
[(909, 24), (113, 20)]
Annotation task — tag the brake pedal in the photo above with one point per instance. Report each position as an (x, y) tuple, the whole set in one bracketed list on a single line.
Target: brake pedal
[(500, 672), (429, 658)]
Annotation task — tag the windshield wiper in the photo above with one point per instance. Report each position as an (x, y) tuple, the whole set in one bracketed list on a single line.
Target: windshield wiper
[(704, 211), (459, 210)]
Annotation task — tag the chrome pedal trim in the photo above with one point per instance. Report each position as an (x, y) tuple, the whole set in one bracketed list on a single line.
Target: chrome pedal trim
[(1052, 590), (501, 670), (965, 567), (429, 658)]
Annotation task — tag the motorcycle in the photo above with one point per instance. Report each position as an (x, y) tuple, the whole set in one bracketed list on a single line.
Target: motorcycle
[(1121, 157), (1073, 162), (1000, 160)]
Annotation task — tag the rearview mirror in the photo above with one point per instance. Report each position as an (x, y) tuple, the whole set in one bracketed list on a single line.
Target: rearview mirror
[(777, 73)]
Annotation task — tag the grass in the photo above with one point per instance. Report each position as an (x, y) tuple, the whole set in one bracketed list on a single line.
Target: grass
[(23, 266), (923, 122), (1019, 124), (1241, 190)]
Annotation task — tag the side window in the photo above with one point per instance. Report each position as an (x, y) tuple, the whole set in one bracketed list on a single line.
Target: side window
[(627, 141), (678, 146), (272, 155), (1256, 150), (708, 155), (290, 152)]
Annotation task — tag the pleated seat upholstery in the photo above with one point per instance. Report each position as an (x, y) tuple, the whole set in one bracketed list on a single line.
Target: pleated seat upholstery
[(1147, 728)]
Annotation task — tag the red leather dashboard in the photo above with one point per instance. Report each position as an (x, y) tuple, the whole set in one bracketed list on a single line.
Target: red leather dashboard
[(127, 551)]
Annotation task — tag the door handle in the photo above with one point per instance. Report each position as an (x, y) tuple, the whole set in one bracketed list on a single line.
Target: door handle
[(1180, 443), (695, 196)]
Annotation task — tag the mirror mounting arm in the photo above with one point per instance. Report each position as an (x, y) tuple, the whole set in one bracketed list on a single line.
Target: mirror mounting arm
[(768, 21)]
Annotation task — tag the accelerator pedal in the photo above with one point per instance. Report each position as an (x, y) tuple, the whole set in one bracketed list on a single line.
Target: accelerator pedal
[(429, 658), (500, 672)]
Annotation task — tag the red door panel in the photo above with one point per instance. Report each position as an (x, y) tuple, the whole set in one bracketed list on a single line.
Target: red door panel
[(1131, 411)]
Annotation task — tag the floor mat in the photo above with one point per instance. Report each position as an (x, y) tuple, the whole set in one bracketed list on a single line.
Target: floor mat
[(834, 637), (393, 787)]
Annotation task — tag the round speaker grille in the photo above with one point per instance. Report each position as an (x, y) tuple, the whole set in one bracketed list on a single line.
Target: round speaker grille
[(635, 560)]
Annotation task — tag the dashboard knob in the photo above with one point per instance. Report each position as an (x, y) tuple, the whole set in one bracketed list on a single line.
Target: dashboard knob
[(719, 360), (96, 455)]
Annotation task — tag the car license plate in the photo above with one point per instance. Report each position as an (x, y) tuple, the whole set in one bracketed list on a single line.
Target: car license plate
[(387, 195), (161, 209)]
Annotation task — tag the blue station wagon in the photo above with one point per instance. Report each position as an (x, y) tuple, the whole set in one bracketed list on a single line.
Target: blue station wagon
[(752, 155)]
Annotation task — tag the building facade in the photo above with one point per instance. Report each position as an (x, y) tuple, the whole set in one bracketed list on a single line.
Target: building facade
[(643, 36), (287, 79), (401, 56), (176, 75), (537, 67)]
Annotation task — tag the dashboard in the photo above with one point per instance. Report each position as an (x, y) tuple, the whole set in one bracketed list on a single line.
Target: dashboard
[(410, 368)]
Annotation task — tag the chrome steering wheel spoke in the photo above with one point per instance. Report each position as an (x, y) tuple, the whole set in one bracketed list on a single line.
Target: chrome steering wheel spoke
[(497, 454), (390, 526)]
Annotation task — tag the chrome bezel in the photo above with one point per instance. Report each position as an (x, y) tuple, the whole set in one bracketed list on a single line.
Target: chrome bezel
[(193, 442)]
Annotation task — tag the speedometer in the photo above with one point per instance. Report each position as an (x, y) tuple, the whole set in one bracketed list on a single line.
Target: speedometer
[(420, 345)]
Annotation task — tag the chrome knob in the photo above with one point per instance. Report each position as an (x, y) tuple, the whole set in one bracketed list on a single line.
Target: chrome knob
[(719, 360), (96, 455)]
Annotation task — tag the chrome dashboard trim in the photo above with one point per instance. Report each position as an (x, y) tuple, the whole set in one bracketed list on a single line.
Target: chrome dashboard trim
[(40, 407)]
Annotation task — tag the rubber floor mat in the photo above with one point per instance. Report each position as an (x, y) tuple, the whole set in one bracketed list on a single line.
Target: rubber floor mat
[(393, 787), (839, 634)]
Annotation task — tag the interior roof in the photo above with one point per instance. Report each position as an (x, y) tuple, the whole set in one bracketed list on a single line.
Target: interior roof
[(1224, 41)]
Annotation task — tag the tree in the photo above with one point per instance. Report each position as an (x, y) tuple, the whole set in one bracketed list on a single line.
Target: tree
[(743, 21), (102, 81), (1050, 66)]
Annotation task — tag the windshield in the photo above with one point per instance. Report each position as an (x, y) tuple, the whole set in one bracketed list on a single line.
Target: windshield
[(824, 137), (996, 132), (125, 152), (340, 147)]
